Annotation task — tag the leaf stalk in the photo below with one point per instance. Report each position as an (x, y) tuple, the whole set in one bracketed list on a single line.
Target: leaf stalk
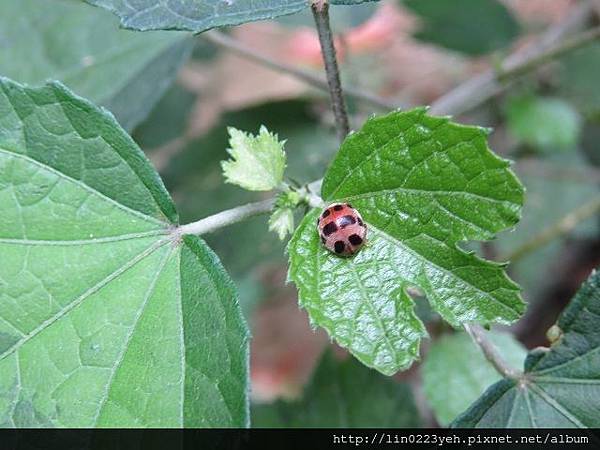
[(491, 352), (225, 218)]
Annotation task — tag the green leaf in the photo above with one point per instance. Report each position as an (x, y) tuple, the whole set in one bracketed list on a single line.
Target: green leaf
[(455, 372), (332, 400), (83, 47), (560, 387), (107, 317), (474, 27), (195, 173), (200, 15), (257, 163), (422, 184), (543, 122), (282, 218)]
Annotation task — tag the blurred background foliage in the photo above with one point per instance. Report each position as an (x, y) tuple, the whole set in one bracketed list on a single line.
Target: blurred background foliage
[(178, 93)]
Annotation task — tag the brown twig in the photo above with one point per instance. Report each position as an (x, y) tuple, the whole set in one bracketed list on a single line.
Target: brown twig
[(580, 40), (320, 10), (311, 78), (481, 88), (464, 97), (558, 229)]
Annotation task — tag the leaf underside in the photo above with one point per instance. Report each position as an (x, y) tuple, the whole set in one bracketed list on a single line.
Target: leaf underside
[(561, 385), (201, 15), (105, 318), (423, 184)]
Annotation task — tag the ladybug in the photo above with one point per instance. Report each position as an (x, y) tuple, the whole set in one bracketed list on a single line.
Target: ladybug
[(341, 229)]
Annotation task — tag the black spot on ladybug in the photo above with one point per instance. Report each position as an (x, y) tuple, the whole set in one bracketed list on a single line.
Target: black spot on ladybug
[(355, 239), (339, 246), (345, 221), (325, 213), (323, 239), (331, 227), (338, 207)]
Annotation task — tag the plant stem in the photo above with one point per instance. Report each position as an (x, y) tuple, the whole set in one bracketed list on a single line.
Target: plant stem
[(464, 97), (243, 212), (225, 218), (533, 63), (468, 95), (481, 88), (320, 9), (490, 351), (560, 228), (225, 41)]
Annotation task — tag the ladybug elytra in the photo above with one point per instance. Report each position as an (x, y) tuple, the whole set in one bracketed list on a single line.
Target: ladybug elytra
[(341, 229)]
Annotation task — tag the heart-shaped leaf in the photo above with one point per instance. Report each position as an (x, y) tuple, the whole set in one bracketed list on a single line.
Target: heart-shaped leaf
[(107, 316), (422, 184), (561, 385)]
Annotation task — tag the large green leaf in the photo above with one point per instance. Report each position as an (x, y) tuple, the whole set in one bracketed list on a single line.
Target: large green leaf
[(343, 394), (561, 385), (473, 27), (107, 317), (422, 184), (200, 15), (83, 47), (455, 372)]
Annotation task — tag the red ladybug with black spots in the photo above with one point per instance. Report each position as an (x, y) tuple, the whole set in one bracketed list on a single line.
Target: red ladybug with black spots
[(341, 229)]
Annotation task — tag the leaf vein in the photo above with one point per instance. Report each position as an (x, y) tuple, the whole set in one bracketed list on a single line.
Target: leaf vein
[(83, 186), (74, 304), (128, 338)]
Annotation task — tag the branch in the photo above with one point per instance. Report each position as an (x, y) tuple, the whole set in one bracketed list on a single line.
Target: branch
[(225, 41), (481, 88), (491, 352), (580, 40), (466, 96), (560, 228), (320, 9), (225, 218), (243, 212), (540, 168)]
